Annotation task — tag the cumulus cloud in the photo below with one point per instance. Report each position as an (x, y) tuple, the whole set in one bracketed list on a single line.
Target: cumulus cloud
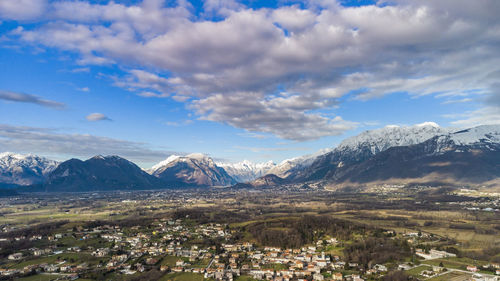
[(97, 117), (230, 70), (284, 117), (27, 98), (488, 115), (22, 9), (221, 7), (51, 141)]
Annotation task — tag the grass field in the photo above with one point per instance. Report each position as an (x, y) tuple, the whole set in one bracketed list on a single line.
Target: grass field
[(469, 239), (71, 258), (171, 260), (417, 270), (451, 276), (183, 276), (41, 277)]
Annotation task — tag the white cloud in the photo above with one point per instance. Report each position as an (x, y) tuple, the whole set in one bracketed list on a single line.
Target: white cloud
[(81, 69), (458, 101), (221, 7), (97, 117), (51, 141), (488, 115), (27, 98), (22, 9), (285, 119), (229, 70)]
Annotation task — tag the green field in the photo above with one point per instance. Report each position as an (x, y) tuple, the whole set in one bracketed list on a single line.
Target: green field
[(183, 276), (451, 276), (417, 270), (41, 277), (70, 258)]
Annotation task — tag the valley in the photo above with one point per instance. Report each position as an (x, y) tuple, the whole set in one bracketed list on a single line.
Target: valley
[(248, 234), (396, 203)]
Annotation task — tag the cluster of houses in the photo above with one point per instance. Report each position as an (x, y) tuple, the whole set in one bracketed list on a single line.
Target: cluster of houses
[(167, 245), (433, 254)]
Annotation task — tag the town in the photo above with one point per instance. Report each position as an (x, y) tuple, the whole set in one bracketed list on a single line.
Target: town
[(170, 246), (195, 239)]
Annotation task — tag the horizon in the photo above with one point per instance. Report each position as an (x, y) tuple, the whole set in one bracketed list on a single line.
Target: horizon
[(224, 162), (237, 80)]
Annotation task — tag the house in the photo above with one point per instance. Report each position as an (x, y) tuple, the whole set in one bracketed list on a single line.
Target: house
[(37, 252), (472, 268), (16, 256), (318, 277), (434, 254), (404, 267), (380, 268), (337, 276), (177, 269)]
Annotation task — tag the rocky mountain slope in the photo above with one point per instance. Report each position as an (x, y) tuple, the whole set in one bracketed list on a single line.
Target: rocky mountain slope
[(411, 154), (193, 169), (421, 153), (24, 169), (468, 157), (359, 148), (99, 173), (246, 171), (296, 165), (266, 181)]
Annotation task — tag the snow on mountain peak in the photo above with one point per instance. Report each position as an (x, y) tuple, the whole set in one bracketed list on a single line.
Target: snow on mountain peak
[(485, 133), (288, 166), (381, 139), (197, 156), (245, 170), (13, 155), (24, 169), (426, 124), (190, 157), (165, 162), (392, 126)]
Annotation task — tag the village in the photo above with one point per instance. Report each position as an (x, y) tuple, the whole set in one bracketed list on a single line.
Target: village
[(209, 250)]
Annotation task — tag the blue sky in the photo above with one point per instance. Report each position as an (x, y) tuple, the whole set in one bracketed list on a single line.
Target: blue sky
[(256, 80)]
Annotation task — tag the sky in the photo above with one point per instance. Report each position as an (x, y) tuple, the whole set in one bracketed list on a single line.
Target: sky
[(256, 80)]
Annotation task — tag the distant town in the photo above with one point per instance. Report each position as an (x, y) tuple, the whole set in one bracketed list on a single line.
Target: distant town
[(184, 236)]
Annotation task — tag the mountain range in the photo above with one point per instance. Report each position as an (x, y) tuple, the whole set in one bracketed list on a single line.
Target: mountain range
[(17, 169), (424, 153), (99, 173), (194, 169)]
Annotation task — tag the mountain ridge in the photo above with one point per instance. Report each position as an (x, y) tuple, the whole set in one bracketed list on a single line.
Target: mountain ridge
[(26, 169), (373, 156), (193, 169)]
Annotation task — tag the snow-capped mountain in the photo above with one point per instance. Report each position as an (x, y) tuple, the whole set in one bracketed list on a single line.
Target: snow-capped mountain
[(406, 152), (100, 173), (294, 165), (365, 145), (481, 135), (192, 169), (470, 156), (24, 169), (246, 171), (378, 140)]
